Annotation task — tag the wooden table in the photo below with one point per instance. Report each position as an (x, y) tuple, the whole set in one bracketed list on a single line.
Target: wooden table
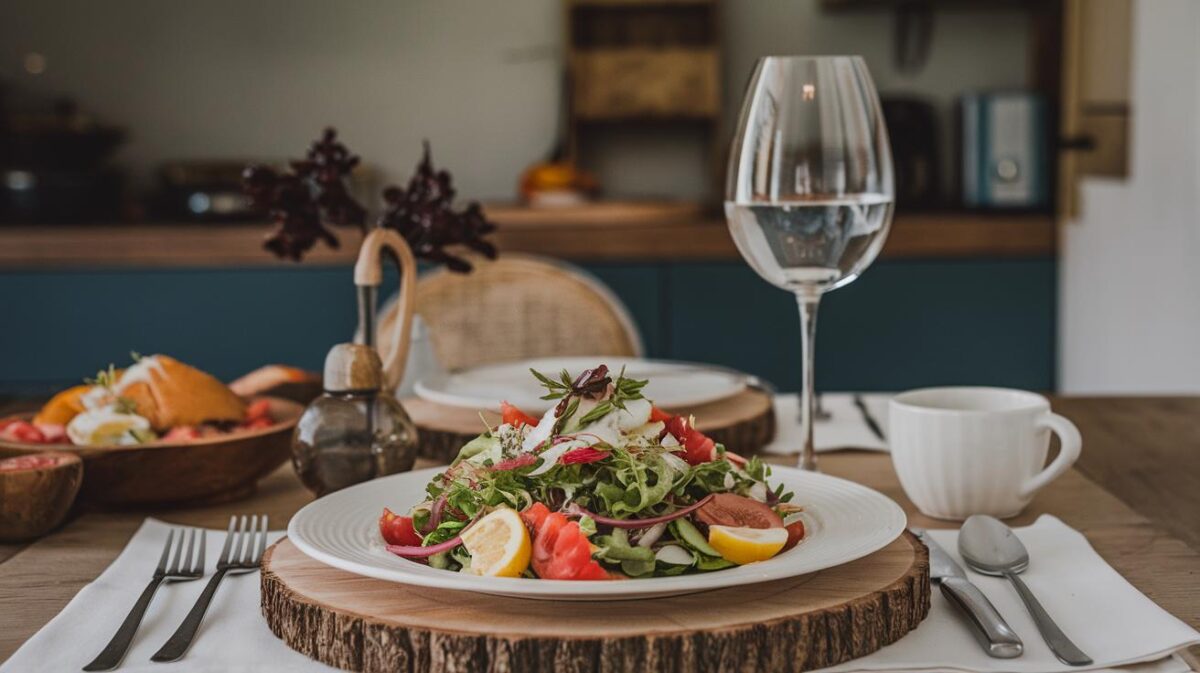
[(1147, 450)]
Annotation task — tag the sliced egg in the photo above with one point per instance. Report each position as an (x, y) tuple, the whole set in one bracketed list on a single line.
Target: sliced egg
[(108, 426)]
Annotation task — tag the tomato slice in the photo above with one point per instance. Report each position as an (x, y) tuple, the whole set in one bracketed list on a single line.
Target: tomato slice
[(731, 509), (534, 515), (398, 530), (515, 417), (657, 415), (584, 454), (560, 549), (697, 447)]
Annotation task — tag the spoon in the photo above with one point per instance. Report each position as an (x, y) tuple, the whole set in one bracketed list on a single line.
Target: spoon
[(990, 547)]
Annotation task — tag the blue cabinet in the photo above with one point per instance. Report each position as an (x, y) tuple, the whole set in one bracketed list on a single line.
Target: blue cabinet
[(903, 324)]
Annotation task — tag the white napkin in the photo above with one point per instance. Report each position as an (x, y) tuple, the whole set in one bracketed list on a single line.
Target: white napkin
[(1104, 615), (234, 637), (845, 427), (1101, 612)]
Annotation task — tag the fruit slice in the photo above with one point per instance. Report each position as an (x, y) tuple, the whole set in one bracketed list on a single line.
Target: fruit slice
[(62, 407), (499, 544), (747, 545)]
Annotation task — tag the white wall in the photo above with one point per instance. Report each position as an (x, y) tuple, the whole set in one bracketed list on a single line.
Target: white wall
[(1130, 270), (479, 78)]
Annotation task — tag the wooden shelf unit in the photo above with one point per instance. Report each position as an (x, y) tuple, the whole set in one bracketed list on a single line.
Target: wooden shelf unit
[(614, 232)]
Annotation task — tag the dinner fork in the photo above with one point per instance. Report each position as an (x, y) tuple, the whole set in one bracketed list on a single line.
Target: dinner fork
[(235, 563), (184, 567)]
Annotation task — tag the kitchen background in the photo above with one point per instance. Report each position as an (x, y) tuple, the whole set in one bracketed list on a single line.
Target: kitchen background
[(483, 82)]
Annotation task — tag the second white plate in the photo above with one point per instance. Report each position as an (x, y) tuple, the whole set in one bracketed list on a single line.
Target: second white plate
[(672, 384)]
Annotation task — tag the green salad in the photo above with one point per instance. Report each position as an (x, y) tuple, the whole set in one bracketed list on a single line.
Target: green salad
[(604, 485)]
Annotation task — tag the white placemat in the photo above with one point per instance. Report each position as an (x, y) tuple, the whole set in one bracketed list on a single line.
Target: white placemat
[(844, 429), (1106, 616), (234, 637)]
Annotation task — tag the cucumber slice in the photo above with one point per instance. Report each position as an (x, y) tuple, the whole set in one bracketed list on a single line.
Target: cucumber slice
[(709, 563), (687, 533)]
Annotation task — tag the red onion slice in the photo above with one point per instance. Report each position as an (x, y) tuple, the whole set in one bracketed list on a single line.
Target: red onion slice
[(435, 514), (413, 551), (576, 510)]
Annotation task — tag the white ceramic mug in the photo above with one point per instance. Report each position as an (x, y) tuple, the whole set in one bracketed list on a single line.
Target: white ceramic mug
[(964, 451)]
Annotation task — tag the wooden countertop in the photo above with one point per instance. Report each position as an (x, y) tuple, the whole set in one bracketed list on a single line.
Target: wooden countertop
[(1142, 449), (612, 231)]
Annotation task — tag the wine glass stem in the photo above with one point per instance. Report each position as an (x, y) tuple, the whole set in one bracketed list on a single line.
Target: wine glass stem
[(808, 302)]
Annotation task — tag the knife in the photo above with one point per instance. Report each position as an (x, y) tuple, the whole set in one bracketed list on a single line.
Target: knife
[(994, 634), (872, 425)]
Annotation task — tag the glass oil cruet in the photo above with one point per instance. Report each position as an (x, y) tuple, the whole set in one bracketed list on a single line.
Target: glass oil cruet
[(357, 430)]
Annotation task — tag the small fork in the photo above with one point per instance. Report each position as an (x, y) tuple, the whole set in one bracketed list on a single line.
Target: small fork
[(183, 568), (235, 563)]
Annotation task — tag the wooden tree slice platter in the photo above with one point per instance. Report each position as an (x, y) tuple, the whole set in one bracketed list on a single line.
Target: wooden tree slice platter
[(744, 423), (800, 624)]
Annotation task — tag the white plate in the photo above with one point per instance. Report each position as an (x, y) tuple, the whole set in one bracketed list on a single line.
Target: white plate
[(672, 384), (844, 521)]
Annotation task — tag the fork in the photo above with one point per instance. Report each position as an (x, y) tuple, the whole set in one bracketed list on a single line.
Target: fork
[(183, 568), (235, 563)]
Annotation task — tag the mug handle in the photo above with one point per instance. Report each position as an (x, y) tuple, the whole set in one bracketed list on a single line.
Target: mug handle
[(1068, 453)]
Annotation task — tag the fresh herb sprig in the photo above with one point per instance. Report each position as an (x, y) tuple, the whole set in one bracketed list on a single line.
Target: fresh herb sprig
[(624, 390), (592, 383), (105, 378)]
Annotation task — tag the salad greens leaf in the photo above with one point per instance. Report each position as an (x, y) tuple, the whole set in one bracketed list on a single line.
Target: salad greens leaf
[(634, 561)]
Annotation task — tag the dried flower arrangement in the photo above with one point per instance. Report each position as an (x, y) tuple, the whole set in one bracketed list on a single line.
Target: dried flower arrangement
[(303, 200)]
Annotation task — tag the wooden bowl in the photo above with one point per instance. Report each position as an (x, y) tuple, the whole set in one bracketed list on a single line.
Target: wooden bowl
[(213, 469), (34, 500)]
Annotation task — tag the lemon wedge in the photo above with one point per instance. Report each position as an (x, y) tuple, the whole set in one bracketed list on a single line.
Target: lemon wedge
[(499, 544), (746, 545)]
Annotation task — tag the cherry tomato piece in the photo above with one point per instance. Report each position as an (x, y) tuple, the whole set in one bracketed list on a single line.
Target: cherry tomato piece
[(657, 415), (697, 447), (795, 531), (515, 417), (398, 530)]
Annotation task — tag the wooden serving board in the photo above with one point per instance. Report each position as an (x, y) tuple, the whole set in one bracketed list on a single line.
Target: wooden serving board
[(744, 423), (808, 622)]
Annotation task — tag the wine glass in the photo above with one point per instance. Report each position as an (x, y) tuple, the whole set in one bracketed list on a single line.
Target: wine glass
[(809, 191)]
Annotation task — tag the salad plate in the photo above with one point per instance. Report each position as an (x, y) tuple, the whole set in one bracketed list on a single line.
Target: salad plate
[(672, 384), (605, 496), (844, 521)]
